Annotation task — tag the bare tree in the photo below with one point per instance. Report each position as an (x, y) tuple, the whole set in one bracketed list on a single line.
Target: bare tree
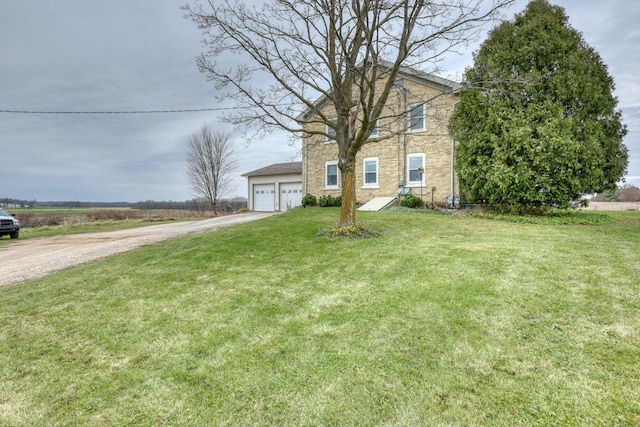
[(628, 193), (332, 63), (210, 163)]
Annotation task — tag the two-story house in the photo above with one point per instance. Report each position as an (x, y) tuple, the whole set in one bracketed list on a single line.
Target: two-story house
[(416, 158)]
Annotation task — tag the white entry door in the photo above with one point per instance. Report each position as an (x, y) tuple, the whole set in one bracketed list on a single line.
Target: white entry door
[(264, 197), (290, 195)]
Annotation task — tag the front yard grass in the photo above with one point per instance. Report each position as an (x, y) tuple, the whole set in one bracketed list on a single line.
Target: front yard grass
[(441, 320)]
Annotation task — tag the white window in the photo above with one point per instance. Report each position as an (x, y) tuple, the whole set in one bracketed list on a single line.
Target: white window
[(331, 132), (415, 169), (374, 132), (417, 118), (370, 172), (331, 175)]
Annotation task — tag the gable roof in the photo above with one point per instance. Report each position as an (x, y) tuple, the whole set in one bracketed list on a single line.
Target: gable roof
[(427, 79), (440, 83), (277, 169)]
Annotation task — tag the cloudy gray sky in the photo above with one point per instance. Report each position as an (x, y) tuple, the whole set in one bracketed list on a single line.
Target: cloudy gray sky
[(123, 55)]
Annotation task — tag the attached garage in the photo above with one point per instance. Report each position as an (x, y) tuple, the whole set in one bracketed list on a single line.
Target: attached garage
[(276, 187), (290, 195), (264, 197)]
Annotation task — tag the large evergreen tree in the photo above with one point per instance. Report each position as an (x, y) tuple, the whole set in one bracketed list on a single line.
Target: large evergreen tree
[(537, 125)]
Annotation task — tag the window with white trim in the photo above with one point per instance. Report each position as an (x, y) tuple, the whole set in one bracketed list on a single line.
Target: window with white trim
[(417, 118), (331, 131), (375, 131), (331, 175), (370, 172), (415, 169)]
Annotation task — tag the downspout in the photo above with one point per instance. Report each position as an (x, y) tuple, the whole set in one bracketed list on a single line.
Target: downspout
[(249, 195), (453, 161), (402, 107), (305, 156), (453, 165), (404, 139)]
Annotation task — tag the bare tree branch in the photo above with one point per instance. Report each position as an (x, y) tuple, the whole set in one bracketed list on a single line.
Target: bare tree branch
[(210, 164), (331, 63)]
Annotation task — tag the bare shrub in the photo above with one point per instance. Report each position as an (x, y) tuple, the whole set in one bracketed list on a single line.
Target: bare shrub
[(628, 193), (30, 219), (114, 215)]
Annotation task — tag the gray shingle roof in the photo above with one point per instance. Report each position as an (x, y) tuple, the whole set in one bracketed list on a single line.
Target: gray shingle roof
[(439, 83), (277, 169)]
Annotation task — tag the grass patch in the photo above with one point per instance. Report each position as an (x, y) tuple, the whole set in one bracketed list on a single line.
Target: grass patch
[(441, 320), (558, 217), (357, 231)]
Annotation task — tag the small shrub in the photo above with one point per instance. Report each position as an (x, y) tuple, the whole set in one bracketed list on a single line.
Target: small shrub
[(309, 200), (412, 202), (32, 220), (328, 201), (113, 215)]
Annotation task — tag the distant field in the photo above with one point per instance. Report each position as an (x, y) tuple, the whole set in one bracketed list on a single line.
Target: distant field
[(107, 213), (42, 222), (60, 210), (614, 206), (443, 320)]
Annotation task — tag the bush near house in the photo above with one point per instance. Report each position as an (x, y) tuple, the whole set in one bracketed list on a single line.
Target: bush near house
[(412, 201), (309, 200), (328, 201)]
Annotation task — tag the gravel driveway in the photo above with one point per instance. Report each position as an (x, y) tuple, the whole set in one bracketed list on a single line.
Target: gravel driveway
[(33, 258)]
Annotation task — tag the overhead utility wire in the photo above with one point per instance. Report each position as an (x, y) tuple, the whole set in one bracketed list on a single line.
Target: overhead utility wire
[(117, 112)]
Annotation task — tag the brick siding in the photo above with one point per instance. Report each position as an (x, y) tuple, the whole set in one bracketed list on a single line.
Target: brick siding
[(435, 142)]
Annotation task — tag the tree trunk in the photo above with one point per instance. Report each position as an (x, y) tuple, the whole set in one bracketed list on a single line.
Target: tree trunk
[(348, 207)]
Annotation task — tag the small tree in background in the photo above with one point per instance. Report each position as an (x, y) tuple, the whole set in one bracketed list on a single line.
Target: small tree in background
[(538, 125), (210, 164), (628, 193)]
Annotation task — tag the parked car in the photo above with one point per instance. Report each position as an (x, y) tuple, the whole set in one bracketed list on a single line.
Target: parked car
[(9, 225)]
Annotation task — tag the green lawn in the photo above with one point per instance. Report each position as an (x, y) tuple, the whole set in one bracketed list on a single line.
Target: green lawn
[(443, 320)]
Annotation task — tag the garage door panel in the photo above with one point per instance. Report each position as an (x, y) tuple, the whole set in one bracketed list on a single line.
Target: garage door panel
[(290, 195), (263, 197)]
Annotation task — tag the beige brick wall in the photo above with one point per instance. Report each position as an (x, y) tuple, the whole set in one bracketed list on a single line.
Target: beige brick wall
[(435, 142)]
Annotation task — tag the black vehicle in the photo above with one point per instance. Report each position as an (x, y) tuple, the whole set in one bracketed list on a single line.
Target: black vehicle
[(9, 225)]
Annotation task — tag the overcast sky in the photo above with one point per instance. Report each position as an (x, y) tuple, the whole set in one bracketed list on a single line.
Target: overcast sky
[(124, 55)]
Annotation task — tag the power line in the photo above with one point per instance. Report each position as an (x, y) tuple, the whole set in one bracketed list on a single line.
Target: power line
[(186, 110)]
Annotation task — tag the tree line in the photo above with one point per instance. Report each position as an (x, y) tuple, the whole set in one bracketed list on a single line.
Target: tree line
[(198, 204)]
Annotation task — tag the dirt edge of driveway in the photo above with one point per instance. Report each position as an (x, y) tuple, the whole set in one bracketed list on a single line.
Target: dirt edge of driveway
[(35, 258)]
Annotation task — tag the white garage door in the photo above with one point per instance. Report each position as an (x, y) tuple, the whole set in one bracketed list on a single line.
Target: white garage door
[(290, 195), (264, 197)]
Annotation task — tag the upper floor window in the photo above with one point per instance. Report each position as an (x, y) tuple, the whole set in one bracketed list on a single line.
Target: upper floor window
[(374, 132), (331, 132), (331, 175), (370, 172), (417, 118)]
